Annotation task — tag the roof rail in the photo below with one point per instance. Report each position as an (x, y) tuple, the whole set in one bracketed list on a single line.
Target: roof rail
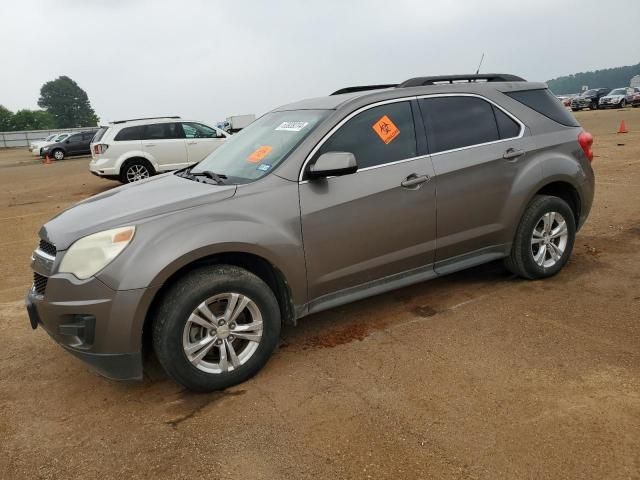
[(482, 77), (146, 118), (362, 88)]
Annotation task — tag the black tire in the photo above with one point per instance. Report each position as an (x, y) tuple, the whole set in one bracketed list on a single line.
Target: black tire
[(622, 104), (182, 299), (575, 109), (139, 164), (58, 154), (521, 259)]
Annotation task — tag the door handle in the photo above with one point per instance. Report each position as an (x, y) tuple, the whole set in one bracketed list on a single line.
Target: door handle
[(150, 145), (414, 180), (192, 143), (512, 153)]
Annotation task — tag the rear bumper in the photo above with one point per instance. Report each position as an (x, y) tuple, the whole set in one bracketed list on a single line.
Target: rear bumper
[(92, 322), (103, 167)]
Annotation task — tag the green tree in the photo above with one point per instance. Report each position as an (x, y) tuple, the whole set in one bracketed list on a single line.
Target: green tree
[(32, 120), (6, 116), (67, 103)]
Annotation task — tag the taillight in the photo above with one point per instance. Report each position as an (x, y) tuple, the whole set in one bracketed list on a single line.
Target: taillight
[(100, 148), (585, 139)]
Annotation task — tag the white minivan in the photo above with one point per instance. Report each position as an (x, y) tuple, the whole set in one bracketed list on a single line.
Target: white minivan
[(131, 150)]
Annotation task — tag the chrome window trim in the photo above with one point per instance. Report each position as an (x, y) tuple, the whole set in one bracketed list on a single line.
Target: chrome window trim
[(404, 99)]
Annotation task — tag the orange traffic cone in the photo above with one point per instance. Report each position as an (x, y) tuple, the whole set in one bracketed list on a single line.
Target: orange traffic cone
[(623, 128), (47, 160)]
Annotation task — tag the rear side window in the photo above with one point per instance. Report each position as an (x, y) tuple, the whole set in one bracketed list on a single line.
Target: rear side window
[(197, 130), (545, 103), (457, 122), (100, 133), (507, 126), (379, 135), (129, 133), (161, 131)]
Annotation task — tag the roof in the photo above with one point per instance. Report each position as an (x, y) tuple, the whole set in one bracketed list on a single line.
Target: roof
[(413, 87)]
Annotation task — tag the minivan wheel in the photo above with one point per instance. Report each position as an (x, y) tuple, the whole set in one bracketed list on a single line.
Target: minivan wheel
[(216, 327), (544, 239), (135, 170), (58, 154)]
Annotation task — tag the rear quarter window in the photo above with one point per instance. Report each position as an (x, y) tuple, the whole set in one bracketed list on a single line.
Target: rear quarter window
[(545, 103), (100, 133)]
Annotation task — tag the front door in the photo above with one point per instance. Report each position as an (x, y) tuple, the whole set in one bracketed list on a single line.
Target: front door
[(366, 226), (201, 140)]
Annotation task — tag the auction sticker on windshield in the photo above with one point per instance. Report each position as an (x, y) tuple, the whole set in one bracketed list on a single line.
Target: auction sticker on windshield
[(292, 126), (259, 153)]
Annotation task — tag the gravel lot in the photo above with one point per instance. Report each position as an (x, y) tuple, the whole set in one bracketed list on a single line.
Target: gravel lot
[(476, 375)]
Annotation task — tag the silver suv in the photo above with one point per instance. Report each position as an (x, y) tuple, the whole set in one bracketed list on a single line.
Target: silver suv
[(316, 204)]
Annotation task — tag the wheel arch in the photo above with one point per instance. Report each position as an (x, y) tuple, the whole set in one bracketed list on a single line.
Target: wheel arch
[(135, 155), (256, 264), (566, 191)]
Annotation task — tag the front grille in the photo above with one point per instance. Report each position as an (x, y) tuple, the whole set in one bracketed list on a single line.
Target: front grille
[(47, 247), (39, 283)]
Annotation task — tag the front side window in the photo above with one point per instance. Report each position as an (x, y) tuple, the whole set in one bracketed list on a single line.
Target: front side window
[(457, 122), (259, 148), (376, 136), (75, 138), (198, 130)]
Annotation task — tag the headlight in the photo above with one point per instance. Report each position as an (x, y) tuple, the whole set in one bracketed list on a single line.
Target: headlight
[(92, 253)]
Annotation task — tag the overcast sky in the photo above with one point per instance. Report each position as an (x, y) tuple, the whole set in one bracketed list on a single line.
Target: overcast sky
[(207, 60)]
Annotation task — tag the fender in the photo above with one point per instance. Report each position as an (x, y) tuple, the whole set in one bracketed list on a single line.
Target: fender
[(136, 154)]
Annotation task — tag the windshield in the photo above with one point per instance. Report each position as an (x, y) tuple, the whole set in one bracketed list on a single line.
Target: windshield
[(618, 91), (262, 146), (61, 137), (50, 137), (589, 92)]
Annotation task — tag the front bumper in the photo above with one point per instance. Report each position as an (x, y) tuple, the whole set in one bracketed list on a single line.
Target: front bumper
[(91, 321)]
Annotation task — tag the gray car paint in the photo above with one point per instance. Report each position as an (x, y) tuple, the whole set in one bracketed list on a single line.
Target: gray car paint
[(333, 240)]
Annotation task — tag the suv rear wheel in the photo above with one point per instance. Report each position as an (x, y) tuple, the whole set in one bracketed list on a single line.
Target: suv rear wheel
[(216, 328), (544, 239), (135, 170)]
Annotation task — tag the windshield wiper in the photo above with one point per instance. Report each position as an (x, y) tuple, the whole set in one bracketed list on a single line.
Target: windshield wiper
[(216, 177)]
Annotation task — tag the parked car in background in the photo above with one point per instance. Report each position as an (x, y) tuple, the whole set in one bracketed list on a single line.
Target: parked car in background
[(58, 137), (71, 145), (618, 97), (316, 204), (635, 100), (132, 150), (37, 144), (589, 99)]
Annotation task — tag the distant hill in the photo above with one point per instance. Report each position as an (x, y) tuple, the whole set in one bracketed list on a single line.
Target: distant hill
[(609, 77)]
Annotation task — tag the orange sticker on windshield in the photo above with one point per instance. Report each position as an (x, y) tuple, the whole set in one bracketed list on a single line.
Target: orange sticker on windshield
[(259, 153), (386, 129)]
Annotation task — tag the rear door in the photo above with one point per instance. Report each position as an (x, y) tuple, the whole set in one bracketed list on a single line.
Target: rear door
[(477, 150), (165, 143), (73, 144), (363, 227), (201, 140)]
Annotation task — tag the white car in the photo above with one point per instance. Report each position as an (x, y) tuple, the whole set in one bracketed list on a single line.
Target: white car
[(56, 137), (131, 150)]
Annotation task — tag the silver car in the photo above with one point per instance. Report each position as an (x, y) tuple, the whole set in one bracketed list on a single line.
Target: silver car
[(316, 204)]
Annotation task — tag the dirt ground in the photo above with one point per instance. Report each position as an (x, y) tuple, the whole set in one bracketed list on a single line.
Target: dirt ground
[(475, 375)]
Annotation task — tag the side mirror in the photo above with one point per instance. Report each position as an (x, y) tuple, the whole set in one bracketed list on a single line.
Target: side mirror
[(333, 164), (66, 141)]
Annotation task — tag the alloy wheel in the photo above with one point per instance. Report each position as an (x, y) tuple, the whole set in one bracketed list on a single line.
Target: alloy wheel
[(137, 172), (222, 333), (549, 239)]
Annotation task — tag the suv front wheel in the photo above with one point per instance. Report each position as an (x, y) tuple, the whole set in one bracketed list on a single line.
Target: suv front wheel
[(135, 170), (544, 239), (216, 327)]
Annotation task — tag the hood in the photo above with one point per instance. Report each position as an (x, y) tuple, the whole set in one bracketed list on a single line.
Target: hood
[(130, 204)]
